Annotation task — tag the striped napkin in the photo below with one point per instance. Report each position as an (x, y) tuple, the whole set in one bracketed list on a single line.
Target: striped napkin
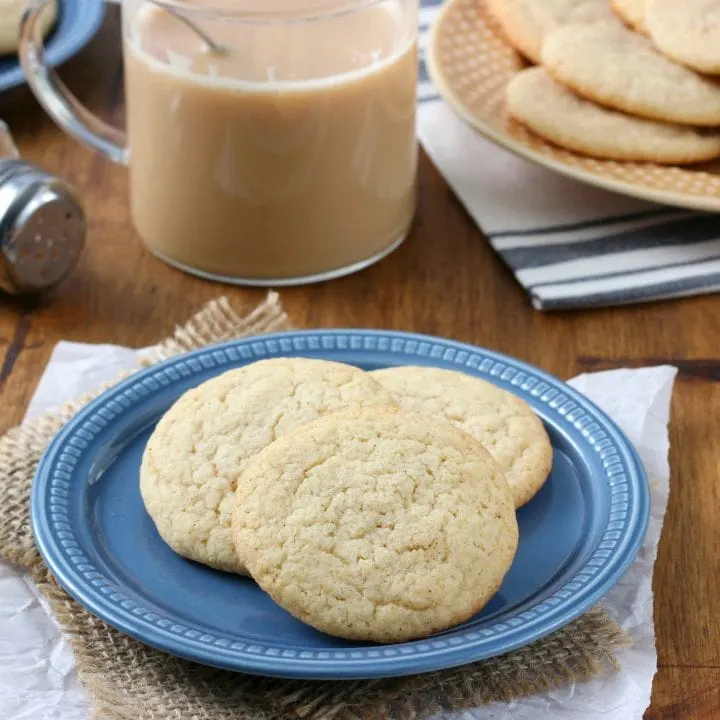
[(569, 245)]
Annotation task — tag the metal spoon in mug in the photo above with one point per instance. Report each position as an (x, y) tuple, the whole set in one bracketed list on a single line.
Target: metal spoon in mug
[(214, 46)]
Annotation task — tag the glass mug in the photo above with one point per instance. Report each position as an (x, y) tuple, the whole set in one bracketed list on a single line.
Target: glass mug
[(268, 141)]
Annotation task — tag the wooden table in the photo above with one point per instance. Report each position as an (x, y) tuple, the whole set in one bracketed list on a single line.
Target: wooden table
[(444, 280)]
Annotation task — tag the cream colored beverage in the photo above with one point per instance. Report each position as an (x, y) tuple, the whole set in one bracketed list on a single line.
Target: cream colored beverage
[(290, 153)]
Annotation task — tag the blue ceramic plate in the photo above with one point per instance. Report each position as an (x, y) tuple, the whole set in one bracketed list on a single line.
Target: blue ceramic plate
[(78, 21), (577, 536)]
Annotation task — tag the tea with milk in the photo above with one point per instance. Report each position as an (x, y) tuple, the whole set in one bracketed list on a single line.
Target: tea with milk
[(290, 154)]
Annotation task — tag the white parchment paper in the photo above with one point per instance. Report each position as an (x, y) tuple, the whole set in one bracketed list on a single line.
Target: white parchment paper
[(37, 674)]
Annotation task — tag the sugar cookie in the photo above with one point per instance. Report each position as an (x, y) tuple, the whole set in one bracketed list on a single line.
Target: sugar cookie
[(687, 31), (526, 23), (10, 16), (188, 472), (505, 424), (559, 115), (379, 525), (616, 67)]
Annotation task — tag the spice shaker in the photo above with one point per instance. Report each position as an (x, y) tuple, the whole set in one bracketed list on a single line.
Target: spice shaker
[(42, 224)]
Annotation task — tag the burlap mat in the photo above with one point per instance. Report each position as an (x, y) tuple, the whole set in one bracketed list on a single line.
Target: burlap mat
[(128, 680)]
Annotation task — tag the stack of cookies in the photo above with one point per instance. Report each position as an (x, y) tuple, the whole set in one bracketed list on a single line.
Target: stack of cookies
[(618, 79), (373, 506)]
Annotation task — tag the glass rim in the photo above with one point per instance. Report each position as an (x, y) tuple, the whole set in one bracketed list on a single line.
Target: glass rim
[(242, 10)]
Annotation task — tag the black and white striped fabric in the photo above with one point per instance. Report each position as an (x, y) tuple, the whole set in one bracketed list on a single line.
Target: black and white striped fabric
[(569, 245), (428, 11)]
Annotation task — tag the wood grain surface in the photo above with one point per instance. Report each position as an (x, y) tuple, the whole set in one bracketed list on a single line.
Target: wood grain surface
[(444, 280)]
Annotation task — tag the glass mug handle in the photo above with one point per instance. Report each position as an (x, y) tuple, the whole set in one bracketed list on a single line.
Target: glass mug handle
[(59, 103)]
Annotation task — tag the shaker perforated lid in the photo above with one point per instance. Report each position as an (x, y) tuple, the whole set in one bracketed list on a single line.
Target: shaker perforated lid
[(42, 226)]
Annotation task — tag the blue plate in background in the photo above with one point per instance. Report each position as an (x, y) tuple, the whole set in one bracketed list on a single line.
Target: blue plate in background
[(577, 536), (78, 21)]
